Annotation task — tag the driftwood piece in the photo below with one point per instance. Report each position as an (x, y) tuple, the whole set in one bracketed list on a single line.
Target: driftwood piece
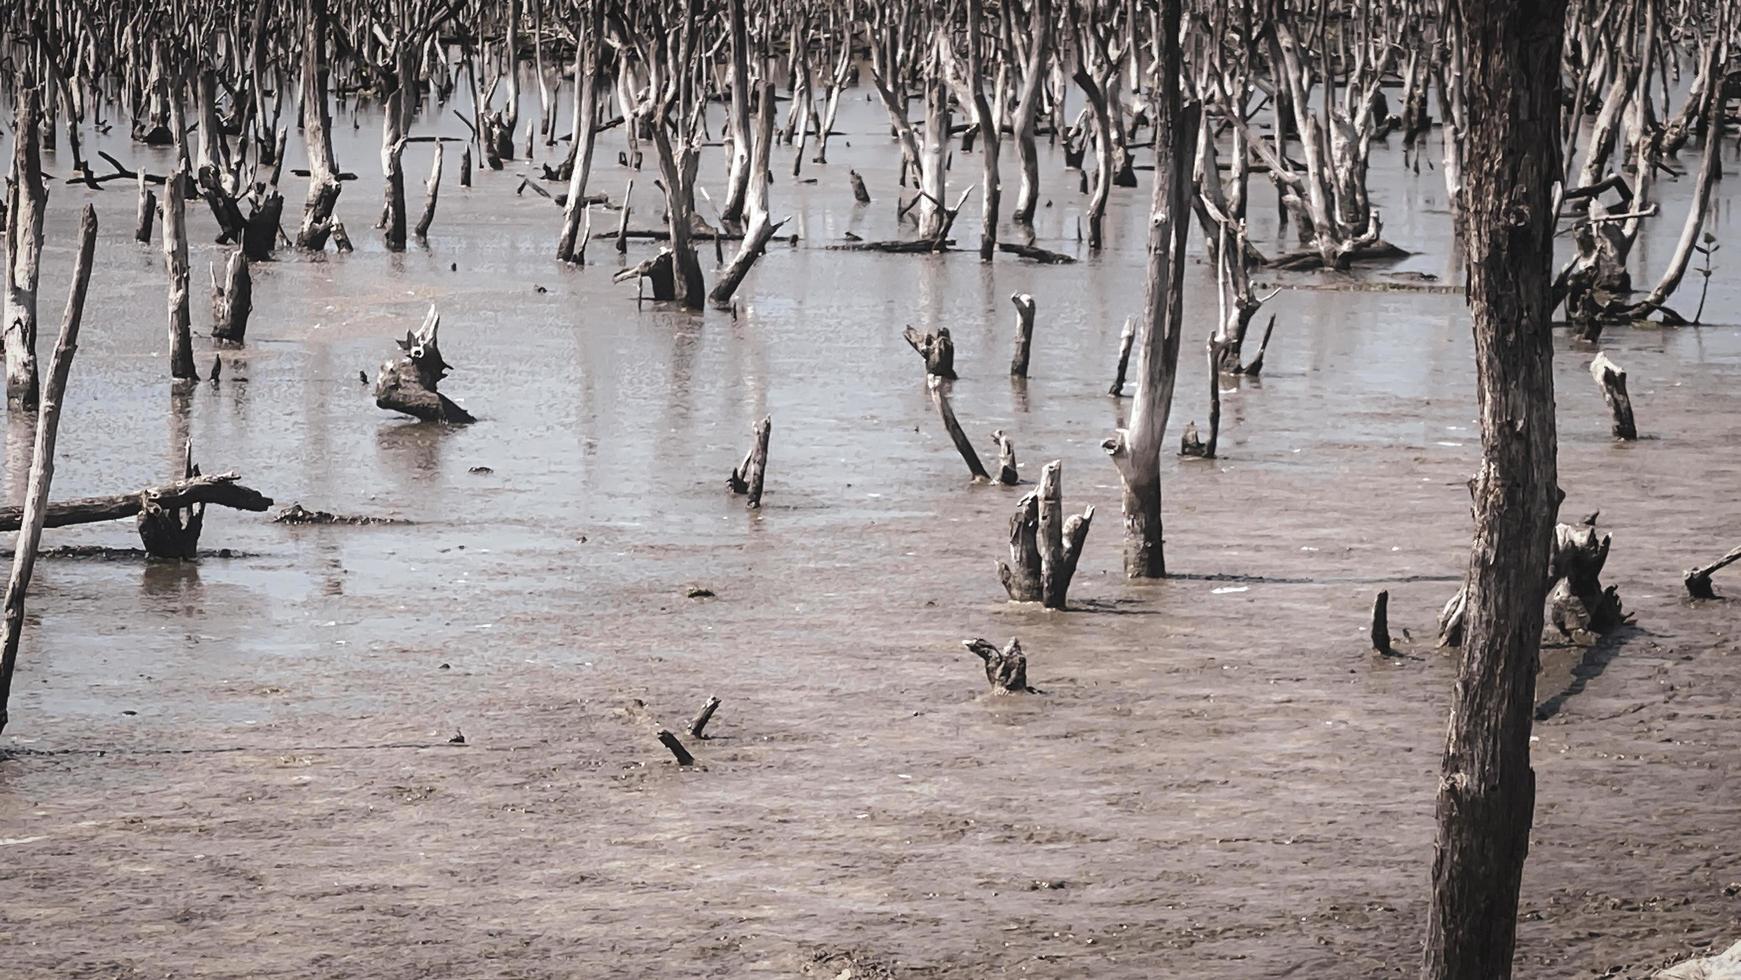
[(296, 514), (1007, 669), (1041, 255), (1021, 575), (222, 489), (1577, 602), (407, 383), (1381, 624), (1006, 459), (1125, 341), (1698, 580), (1612, 380), (34, 514), (232, 301), (940, 397), (1024, 304), (937, 349), (747, 477), (705, 715)]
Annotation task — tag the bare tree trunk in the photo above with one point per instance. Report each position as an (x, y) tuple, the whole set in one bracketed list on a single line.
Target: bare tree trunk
[(175, 264), (738, 120), (1486, 799), (1136, 451), (761, 227), (26, 200), (1028, 107), (42, 459), (585, 135), (323, 182)]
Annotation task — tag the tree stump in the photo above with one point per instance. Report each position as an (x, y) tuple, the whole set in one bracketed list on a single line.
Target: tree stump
[(233, 300), (1381, 624), (1006, 459), (407, 383), (1698, 580), (699, 724), (1024, 334), (1125, 342), (937, 349), (1612, 380), (1007, 669), (660, 270), (1577, 602), (260, 234), (1060, 540), (172, 532), (859, 193), (747, 477)]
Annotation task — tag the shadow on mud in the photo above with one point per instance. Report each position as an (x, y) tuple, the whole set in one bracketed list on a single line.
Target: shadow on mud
[(1594, 660)]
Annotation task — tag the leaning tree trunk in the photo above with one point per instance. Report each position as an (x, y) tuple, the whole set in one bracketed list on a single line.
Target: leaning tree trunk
[(585, 136), (26, 200), (1137, 451), (1511, 161)]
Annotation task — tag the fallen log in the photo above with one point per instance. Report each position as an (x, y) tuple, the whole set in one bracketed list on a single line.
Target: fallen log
[(221, 489), (1041, 255)]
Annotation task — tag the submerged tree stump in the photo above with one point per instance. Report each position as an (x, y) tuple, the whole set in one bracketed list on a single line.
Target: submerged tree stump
[(1007, 669), (1125, 341), (1380, 633), (233, 300), (1698, 580), (1044, 545), (1577, 602), (1006, 459), (705, 715), (1612, 381), (937, 349), (660, 271), (172, 531), (1021, 575), (1024, 334), (407, 383), (747, 477)]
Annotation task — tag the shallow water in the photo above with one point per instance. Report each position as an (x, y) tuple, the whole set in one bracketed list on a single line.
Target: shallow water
[(241, 766)]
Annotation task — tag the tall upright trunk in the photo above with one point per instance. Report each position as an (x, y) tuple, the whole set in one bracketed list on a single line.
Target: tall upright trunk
[(395, 125), (175, 265), (585, 133), (1136, 451), (738, 122), (991, 190), (1028, 109), (26, 201), (323, 182), (1511, 158)]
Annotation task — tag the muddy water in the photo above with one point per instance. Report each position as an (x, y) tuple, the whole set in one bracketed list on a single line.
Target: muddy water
[(242, 766)]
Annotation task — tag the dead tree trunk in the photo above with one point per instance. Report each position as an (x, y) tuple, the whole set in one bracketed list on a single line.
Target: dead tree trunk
[(181, 367), (585, 135), (147, 211), (323, 182), (407, 383), (963, 445), (1612, 380), (1578, 605), (1698, 580), (1126, 338), (937, 349), (1006, 459), (233, 301), (1486, 796), (35, 513), (1136, 451), (26, 202), (1060, 540), (1380, 632), (1021, 574), (172, 531), (761, 227), (432, 190), (1007, 669), (1028, 108), (1024, 334), (747, 477)]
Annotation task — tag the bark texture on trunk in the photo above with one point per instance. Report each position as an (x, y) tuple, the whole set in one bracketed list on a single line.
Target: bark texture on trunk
[(1486, 800)]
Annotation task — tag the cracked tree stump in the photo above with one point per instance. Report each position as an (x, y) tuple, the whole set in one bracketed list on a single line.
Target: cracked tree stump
[(1006, 459), (747, 478), (407, 383), (860, 194), (937, 349), (1060, 539), (1007, 669), (1451, 619), (172, 531), (1577, 602), (660, 271), (1612, 381), (1024, 334), (1021, 574), (260, 233), (939, 390), (232, 300), (1698, 580)]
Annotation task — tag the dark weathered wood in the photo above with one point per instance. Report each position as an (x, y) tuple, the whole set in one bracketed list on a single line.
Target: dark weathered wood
[(1190, 444), (221, 489), (1034, 252), (35, 512), (1381, 624), (747, 478), (172, 532), (181, 367), (1612, 381), (432, 190), (1255, 366), (699, 724), (678, 752), (938, 350), (1578, 605), (860, 194), (1486, 798), (1698, 580), (1024, 334), (407, 383), (147, 211), (1006, 670), (232, 301), (940, 397)]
